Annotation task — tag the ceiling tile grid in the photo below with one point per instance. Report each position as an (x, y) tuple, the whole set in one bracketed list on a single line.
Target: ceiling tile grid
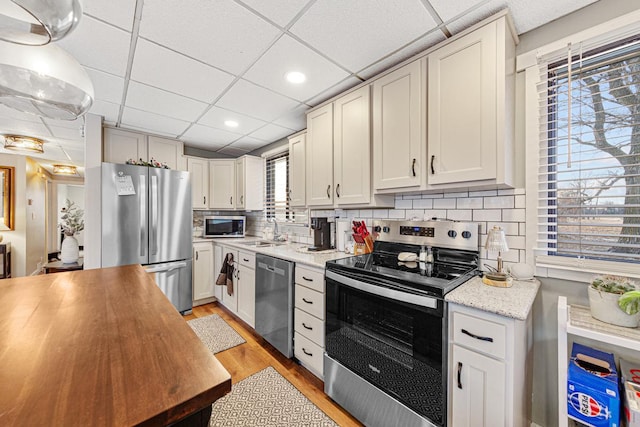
[(158, 101)]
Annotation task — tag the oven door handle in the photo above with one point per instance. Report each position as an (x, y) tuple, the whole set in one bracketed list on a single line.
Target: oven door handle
[(381, 291)]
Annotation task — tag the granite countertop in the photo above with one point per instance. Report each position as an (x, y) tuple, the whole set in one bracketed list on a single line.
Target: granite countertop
[(289, 251), (514, 302)]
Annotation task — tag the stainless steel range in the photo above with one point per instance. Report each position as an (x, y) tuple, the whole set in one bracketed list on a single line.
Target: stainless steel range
[(386, 321)]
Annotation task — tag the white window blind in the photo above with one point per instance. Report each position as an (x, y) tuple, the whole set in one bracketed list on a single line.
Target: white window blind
[(276, 198), (589, 169)]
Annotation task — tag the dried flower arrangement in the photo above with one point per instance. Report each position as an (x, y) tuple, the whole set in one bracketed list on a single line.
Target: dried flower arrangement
[(151, 163), (71, 219)]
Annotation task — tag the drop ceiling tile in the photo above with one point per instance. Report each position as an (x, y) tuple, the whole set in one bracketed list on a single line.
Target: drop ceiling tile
[(9, 126), (117, 12), (287, 55), (144, 120), (295, 119), (414, 48), (359, 32), (98, 45), (214, 138), (107, 87), (342, 86), (247, 98), (216, 117), (70, 124), (10, 113), (528, 15), (165, 69), (248, 143), (448, 9), (271, 133), (147, 98), (220, 33), (281, 12), (232, 151), (108, 110), (66, 133)]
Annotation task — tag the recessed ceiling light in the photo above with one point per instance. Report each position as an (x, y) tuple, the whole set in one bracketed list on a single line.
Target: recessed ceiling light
[(231, 123), (295, 77), (65, 170)]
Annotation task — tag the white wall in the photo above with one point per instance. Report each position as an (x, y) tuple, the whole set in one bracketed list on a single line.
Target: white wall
[(36, 220)]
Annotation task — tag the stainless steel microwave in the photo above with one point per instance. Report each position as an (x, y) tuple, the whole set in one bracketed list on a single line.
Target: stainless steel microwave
[(224, 226)]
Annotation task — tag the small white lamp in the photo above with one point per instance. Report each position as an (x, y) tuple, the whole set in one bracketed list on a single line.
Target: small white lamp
[(497, 242)]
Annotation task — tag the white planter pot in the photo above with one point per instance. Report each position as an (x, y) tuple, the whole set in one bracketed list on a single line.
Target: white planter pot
[(69, 252), (604, 307)]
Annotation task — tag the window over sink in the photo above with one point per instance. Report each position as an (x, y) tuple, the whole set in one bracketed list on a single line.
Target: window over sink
[(276, 198)]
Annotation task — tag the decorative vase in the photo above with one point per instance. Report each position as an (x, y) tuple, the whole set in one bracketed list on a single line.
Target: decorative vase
[(69, 252), (604, 307)]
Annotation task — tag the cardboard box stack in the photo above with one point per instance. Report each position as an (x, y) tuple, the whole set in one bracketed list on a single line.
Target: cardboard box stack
[(630, 374)]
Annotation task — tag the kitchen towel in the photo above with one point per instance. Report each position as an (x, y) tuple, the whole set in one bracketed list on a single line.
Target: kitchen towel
[(226, 274)]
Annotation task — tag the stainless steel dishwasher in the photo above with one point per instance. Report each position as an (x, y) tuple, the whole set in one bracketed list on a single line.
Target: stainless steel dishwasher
[(274, 302)]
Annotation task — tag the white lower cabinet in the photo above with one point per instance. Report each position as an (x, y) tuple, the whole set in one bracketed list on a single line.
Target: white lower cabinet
[(488, 381), (203, 273), (246, 284), (218, 258), (230, 301), (308, 318)]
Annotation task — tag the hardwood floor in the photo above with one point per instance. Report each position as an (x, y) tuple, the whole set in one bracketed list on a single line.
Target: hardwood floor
[(257, 354)]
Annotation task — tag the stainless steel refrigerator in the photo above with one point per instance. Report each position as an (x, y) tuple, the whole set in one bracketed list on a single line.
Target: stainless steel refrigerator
[(147, 219)]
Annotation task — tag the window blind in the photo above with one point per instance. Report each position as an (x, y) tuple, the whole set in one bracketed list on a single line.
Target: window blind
[(589, 152), (276, 198)]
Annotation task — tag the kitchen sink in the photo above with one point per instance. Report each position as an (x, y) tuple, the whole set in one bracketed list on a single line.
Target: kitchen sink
[(264, 243)]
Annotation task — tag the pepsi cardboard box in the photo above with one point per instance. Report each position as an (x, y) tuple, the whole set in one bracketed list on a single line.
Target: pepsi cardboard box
[(630, 373), (592, 387)]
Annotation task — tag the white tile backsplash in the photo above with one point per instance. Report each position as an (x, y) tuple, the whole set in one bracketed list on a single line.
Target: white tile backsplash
[(487, 215), (444, 203), (470, 203), (504, 202), (423, 204)]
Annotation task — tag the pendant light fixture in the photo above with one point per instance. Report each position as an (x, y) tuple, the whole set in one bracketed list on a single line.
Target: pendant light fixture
[(65, 170), (43, 80), (38, 22), (23, 143)]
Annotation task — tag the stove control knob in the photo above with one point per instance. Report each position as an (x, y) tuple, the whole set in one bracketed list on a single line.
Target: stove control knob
[(452, 233), (466, 234), (376, 229), (386, 229)]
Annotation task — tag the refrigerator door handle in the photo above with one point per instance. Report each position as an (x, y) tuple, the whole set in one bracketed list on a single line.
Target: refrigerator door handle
[(166, 267), (143, 215), (154, 215)]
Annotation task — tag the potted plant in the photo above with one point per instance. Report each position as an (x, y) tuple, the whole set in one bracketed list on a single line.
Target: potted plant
[(615, 299), (71, 222)]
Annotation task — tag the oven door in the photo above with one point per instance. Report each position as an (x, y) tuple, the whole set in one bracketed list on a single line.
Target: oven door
[(395, 340)]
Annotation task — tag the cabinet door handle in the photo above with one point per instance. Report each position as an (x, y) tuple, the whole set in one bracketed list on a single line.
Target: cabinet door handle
[(307, 327), (238, 275), (205, 199), (307, 279), (196, 255), (308, 302), (478, 337), (338, 190), (306, 352), (413, 167), (231, 200), (460, 375), (241, 199), (433, 171), (329, 191)]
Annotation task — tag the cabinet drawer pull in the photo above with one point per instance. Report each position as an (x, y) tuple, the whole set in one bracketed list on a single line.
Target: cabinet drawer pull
[(307, 327), (478, 337), (433, 171), (245, 260), (413, 167), (308, 302), (306, 352), (329, 191), (338, 190), (460, 375), (307, 279)]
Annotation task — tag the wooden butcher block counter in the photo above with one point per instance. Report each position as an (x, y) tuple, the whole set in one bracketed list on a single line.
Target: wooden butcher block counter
[(101, 347)]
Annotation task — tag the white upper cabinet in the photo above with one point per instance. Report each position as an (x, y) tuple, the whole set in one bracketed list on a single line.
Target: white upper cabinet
[(166, 151), (297, 180), (249, 183), (121, 145), (470, 108), (222, 183), (319, 151), (399, 118), (352, 148), (199, 169)]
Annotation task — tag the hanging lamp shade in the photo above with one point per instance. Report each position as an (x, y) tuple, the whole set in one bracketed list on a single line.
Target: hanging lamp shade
[(38, 22), (27, 144), (43, 80)]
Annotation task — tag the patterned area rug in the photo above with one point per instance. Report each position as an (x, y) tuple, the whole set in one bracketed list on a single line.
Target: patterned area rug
[(215, 333), (266, 398)]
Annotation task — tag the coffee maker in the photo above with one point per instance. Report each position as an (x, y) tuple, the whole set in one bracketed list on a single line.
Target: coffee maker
[(321, 234)]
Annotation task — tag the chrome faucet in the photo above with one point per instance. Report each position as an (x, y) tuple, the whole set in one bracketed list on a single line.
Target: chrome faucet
[(276, 234)]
